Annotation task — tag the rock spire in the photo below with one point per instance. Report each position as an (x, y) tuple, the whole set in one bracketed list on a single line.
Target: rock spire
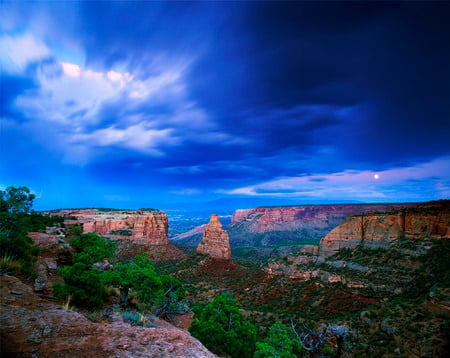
[(215, 241)]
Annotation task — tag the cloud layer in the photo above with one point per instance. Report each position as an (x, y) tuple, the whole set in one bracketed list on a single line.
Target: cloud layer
[(201, 100)]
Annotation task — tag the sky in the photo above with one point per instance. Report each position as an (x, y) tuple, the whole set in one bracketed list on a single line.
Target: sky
[(155, 104)]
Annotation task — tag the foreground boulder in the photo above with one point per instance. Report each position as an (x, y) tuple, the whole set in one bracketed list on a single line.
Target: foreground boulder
[(31, 326)]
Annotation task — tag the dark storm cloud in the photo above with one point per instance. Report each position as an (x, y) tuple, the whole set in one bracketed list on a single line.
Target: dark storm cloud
[(390, 58), (214, 96)]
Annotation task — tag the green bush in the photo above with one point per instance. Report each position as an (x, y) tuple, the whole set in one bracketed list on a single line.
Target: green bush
[(82, 282), (91, 248), (16, 221), (280, 342), (148, 287), (221, 327)]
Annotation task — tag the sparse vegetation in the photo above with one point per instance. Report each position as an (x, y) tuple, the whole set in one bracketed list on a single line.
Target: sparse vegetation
[(16, 220), (222, 328)]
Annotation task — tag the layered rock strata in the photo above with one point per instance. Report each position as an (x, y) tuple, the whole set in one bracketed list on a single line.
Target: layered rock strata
[(378, 230), (142, 227), (268, 226), (290, 218), (215, 241), (137, 231), (151, 229)]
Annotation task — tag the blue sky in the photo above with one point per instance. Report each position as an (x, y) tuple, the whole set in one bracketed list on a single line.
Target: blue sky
[(150, 104)]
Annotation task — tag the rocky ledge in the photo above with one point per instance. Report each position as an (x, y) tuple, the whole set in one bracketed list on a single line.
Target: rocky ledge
[(34, 327)]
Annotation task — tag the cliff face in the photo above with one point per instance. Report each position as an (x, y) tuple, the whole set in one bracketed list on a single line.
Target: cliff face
[(103, 226), (385, 251), (269, 225), (379, 230), (146, 227), (215, 241), (151, 229), (137, 231)]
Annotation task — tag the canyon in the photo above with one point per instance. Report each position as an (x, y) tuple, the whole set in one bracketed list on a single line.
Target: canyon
[(400, 234), (360, 268), (378, 230), (299, 224)]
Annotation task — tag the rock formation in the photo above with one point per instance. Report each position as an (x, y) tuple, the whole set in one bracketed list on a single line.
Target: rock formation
[(146, 227), (378, 230), (35, 327), (403, 233), (136, 231), (294, 223), (104, 226), (151, 229), (215, 241)]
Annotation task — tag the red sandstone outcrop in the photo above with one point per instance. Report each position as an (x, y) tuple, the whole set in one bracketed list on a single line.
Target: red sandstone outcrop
[(33, 326), (143, 231), (147, 227), (215, 241), (151, 229), (104, 226), (378, 230), (291, 218)]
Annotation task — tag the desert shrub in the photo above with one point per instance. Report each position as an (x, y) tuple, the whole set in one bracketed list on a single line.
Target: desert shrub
[(221, 327), (147, 286), (8, 264), (280, 342), (16, 220), (91, 248), (133, 317), (82, 282)]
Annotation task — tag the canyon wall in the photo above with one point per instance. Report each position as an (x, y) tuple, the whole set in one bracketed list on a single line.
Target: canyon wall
[(136, 231), (267, 226), (215, 241), (145, 227), (378, 230), (151, 229)]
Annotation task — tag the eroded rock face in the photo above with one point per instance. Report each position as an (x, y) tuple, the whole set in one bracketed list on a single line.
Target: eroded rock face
[(151, 229), (32, 326), (266, 226), (144, 227), (290, 218), (378, 230), (215, 241), (104, 226)]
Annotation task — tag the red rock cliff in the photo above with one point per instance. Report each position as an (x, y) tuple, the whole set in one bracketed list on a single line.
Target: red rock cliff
[(147, 227), (151, 229), (215, 241), (291, 218), (378, 230), (103, 226)]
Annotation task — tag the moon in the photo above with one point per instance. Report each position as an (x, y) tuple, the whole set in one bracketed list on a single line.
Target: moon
[(376, 176)]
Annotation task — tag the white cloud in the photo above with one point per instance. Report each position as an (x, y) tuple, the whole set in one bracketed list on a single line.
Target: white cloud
[(18, 51), (429, 179), (70, 98), (143, 114), (136, 137)]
